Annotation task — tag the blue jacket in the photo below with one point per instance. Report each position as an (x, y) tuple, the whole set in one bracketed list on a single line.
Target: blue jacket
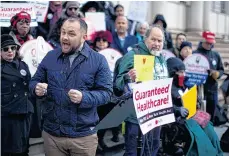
[(129, 42), (89, 74)]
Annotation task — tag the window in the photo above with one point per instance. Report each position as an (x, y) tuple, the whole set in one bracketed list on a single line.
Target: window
[(218, 6)]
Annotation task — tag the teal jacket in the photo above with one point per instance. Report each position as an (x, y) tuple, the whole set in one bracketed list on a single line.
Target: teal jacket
[(204, 141), (127, 63)]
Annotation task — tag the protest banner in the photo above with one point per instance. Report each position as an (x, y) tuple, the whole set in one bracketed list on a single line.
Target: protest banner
[(197, 67), (8, 10), (41, 10), (95, 22), (33, 51), (111, 56), (189, 100), (167, 54), (138, 11), (153, 103), (143, 64)]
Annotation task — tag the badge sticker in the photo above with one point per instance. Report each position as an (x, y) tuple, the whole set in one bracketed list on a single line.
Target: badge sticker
[(23, 72), (214, 62)]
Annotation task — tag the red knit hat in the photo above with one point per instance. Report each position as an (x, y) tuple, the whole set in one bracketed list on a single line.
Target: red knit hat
[(102, 34), (19, 16), (209, 37)]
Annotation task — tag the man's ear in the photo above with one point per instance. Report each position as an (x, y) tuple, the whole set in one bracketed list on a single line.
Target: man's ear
[(85, 36)]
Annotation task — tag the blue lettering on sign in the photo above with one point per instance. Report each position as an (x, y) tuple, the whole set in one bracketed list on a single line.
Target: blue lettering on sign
[(195, 79)]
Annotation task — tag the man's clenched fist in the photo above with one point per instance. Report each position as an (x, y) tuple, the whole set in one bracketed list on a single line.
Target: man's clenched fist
[(41, 89), (75, 96)]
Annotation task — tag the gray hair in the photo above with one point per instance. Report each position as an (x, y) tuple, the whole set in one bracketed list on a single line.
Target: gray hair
[(152, 27), (140, 24), (83, 24)]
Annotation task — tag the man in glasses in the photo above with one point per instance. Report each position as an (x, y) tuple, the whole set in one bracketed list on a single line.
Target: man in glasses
[(215, 72), (20, 27), (72, 8)]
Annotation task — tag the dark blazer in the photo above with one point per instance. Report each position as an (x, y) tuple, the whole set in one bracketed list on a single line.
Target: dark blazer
[(129, 41), (15, 88)]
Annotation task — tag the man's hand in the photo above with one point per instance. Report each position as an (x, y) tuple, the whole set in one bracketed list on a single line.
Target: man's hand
[(214, 74), (41, 89), (75, 96), (132, 73)]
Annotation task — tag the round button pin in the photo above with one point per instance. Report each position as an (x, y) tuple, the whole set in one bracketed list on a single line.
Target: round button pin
[(23, 72)]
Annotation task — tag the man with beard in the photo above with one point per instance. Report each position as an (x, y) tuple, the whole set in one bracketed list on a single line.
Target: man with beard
[(70, 9), (75, 80), (20, 27), (121, 40), (152, 45)]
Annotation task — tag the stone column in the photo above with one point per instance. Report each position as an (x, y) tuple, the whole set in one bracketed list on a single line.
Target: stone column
[(227, 8), (155, 7), (226, 37), (206, 17), (195, 17)]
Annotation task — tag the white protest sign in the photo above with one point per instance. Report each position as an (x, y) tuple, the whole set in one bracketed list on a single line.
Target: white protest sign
[(33, 51), (41, 10), (8, 10), (153, 103), (167, 54), (138, 11), (95, 22), (111, 56), (197, 67)]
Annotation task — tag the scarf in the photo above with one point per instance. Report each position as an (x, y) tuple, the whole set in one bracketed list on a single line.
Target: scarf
[(22, 40)]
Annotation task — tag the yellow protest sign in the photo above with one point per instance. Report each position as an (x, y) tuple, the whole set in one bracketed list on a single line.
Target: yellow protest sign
[(143, 64), (189, 100)]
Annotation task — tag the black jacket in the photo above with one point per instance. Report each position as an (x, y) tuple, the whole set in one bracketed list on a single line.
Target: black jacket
[(215, 62), (14, 88)]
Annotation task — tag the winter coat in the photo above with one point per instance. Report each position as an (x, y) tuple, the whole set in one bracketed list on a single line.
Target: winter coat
[(127, 63), (89, 74), (215, 61), (15, 79)]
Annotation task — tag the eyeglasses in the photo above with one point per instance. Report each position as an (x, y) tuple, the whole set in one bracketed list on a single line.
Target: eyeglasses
[(6, 49), (101, 39), (73, 9)]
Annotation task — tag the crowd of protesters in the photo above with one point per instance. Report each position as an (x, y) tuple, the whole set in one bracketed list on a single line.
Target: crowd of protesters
[(76, 85)]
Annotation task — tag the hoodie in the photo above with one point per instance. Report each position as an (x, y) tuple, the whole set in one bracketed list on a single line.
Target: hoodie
[(168, 44)]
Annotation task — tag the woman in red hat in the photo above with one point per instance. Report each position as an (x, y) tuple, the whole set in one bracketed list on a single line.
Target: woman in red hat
[(20, 27), (101, 40)]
